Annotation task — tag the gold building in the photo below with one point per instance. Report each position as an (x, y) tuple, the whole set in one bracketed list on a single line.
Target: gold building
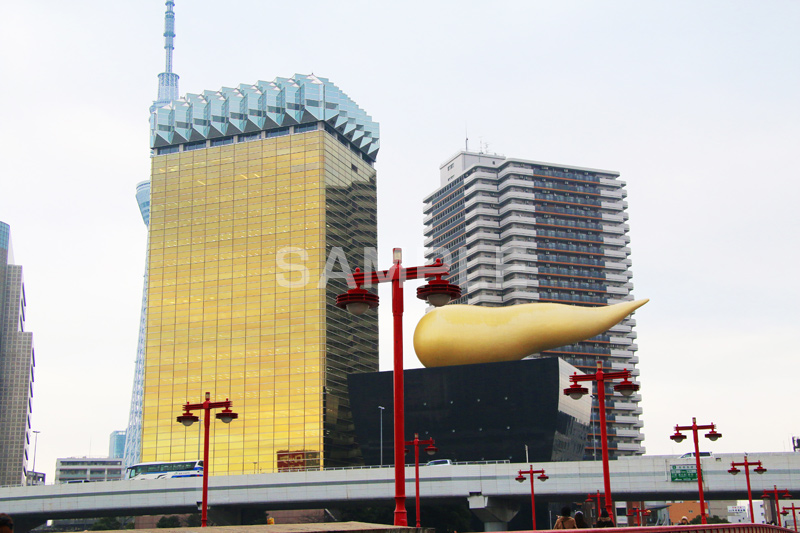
[(253, 191)]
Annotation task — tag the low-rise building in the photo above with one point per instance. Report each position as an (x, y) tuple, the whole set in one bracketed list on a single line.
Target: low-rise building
[(85, 469)]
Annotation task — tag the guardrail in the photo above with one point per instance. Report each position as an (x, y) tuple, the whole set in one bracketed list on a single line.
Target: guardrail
[(698, 528)]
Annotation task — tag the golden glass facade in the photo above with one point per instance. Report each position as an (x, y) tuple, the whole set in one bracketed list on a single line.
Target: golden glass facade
[(239, 238)]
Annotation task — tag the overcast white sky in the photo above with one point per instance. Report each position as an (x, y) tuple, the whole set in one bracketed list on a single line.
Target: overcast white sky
[(694, 102)]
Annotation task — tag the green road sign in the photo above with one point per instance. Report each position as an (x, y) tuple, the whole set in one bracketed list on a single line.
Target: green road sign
[(683, 473)]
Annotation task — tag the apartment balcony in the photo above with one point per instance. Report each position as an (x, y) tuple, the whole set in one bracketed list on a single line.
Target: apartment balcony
[(514, 182), (480, 198), (612, 193), (484, 285), (623, 339), (628, 421), (620, 328), (628, 433), (492, 261), (482, 235), (513, 207), (520, 256), (475, 223), (527, 296), (523, 283), (515, 170), (615, 253), (516, 195), (484, 272), (518, 232), (618, 291), (482, 211), (625, 406), (474, 188), (625, 354), (490, 246), (615, 183), (512, 269), (512, 218), (518, 243), (612, 217), (612, 241), (479, 299), (613, 229), (616, 278), (630, 447)]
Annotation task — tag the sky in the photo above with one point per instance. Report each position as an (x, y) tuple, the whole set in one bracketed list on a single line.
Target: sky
[(695, 103)]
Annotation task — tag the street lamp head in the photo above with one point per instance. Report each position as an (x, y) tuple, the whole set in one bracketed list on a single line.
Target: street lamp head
[(357, 301), (227, 415), (431, 449), (733, 470), (520, 478), (786, 495), (713, 435), (626, 388), (678, 437), (759, 470), (438, 292), (575, 391), (187, 419), (543, 477)]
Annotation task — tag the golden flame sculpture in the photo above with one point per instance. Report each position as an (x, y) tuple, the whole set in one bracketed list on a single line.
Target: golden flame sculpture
[(469, 334)]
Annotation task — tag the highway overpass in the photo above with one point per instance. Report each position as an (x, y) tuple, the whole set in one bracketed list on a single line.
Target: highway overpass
[(485, 486)]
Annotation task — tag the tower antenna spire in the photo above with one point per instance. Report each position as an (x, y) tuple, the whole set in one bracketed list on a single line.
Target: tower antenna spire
[(167, 80)]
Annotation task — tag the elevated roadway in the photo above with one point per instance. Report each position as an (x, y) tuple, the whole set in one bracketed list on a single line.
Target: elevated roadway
[(483, 485)]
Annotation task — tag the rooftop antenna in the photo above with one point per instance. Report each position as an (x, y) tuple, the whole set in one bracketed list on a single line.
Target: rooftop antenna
[(466, 140), (167, 80)]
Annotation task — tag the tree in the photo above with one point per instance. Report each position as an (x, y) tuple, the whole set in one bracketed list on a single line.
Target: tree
[(193, 520), (106, 523), (169, 521)]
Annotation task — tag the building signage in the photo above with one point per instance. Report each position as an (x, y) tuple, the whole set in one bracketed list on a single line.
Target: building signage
[(683, 473)]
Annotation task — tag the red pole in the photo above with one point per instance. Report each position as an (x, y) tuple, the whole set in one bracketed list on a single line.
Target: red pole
[(400, 514), (699, 472), (749, 494), (601, 404), (533, 501), (207, 424), (777, 507), (416, 472)]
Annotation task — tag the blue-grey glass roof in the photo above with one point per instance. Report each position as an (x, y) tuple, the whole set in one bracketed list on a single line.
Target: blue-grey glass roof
[(261, 106)]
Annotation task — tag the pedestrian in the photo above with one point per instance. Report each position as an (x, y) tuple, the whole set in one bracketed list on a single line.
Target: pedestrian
[(684, 521), (565, 521), (580, 521), (6, 524), (604, 520)]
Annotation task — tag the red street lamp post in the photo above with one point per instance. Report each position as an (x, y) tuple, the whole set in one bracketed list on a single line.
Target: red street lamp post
[(437, 292), (638, 512), (187, 419), (774, 492), (794, 516), (626, 388), (712, 436), (430, 449), (542, 477), (598, 505), (759, 469)]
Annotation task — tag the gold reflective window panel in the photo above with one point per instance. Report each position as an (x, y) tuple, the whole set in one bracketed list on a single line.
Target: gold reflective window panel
[(239, 238)]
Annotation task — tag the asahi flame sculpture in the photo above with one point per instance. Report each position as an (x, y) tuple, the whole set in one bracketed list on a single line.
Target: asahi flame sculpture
[(469, 334)]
